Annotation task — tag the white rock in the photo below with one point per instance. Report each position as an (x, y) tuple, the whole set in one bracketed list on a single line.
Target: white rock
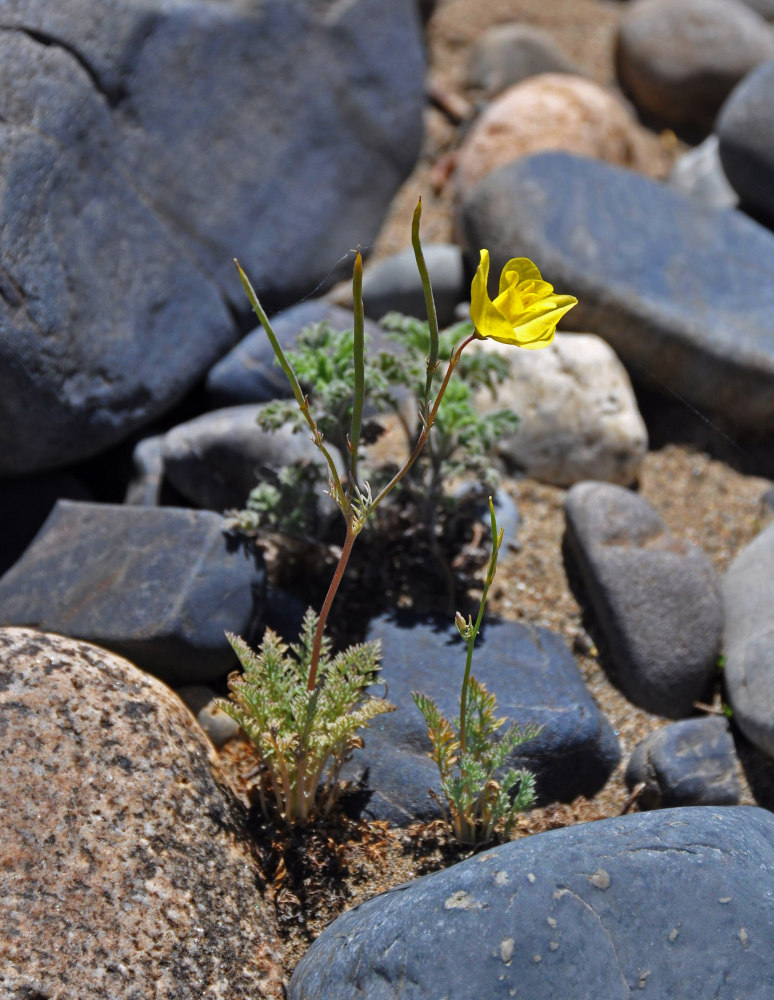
[(579, 417)]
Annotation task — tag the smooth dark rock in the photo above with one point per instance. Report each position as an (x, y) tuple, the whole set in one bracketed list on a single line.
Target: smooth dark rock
[(201, 701), (274, 132), (675, 904), (535, 679), (106, 321), (745, 129), (689, 763), (684, 295), (147, 482), (215, 460), (679, 61), (699, 174), (158, 585), (393, 283), (250, 373), (508, 53), (656, 598), (125, 869), (144, 146), (748, 639)]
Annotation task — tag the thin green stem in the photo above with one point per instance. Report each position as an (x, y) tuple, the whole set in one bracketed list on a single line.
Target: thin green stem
[(497, 538), (428, 423), (432, 318), (359, 367), (346, 552), (303, 402)]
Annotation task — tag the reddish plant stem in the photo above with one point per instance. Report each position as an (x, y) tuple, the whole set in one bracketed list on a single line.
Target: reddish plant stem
[(346, 551)]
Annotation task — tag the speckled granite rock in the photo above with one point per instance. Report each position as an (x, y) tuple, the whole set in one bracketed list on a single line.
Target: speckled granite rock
[(123, 868)]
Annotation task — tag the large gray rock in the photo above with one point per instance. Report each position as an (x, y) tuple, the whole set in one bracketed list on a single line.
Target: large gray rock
[(748, 639), (688, 763), (656, 599), (250, 373), (699, 174), (678, 61), (684, 295), (535, 680), (144, 145), (125, 870), (745, 129), (158, 585), (578, 415), (508, 53), (393, 283), (678, 904), (106, 322), (215, 460)]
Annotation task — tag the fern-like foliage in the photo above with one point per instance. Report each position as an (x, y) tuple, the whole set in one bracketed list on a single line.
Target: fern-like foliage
[(481, 797), (302, 737)]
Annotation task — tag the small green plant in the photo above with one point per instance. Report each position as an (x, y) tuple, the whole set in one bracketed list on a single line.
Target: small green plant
[(302, 711), (302, 737), (461, 445), (481, 797)]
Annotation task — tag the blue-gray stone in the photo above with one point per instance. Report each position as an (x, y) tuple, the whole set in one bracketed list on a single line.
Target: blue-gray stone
[(535, 679), (688, 763), (679, 61), (393, 283), (105, 321), (683, 294), (745, 129), (678, 904), (250, 373), (699, 174), (216, 459), (748, 639), (275, 132), (144, 146), (656, 598), (506, 54), (158, 585)]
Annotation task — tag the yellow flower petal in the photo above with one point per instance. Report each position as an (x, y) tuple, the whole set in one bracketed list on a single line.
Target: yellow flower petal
[(526, 310)]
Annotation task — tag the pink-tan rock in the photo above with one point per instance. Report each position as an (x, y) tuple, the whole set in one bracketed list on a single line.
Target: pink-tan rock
[(124, 867), (554, 111)]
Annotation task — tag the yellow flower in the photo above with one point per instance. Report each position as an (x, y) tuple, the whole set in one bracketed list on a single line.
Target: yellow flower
[(526, 309)]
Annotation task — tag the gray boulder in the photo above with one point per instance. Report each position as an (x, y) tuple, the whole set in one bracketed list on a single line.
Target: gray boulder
[(535, 680), (699, 174), (393, 283), (158, 585), (745, 129), (579, 417), (214, 460), (656, 599), (508, 53), (678, 904), (250, 373), (208, 130), (688, 763), (95, 313), (684, 295), (748, 639), (125, 869), (678, 61)]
